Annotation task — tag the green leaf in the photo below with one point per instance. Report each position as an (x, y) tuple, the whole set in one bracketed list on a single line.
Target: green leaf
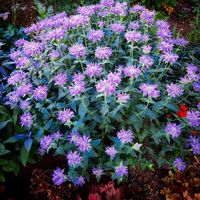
[(24, 155), (28, 143), (3, 124), (172, 107), (82, 111), (2, 178), (3, 151)]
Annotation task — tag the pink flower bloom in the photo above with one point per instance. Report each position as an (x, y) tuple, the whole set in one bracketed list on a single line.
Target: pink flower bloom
[(60, 79), (106, 87), (77, 50), (93, 70), (65, 115), (40, 93), (26, 120), (103, 52), (123, 97)]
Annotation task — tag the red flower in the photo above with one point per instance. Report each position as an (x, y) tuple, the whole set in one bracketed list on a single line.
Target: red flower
[(183, 107), (182, 114), (194, 132)]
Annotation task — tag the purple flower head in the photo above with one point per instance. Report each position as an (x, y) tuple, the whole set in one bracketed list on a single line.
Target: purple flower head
[(97, 172), (16, 77), (192, 69), (165, 47), (107, 3), (103, 53), (120, 9), (73, 136), (145, 37), (196, 86), (137, 9), (24, 89), (83, 143), (95, 35), (149, 90), (132, 71), (58, 176), (123, 97), (174, 90), (13, 98), (78, 20), (77, 88), (80, 181), (106, 87), (54, 55), (87, 10), (24, 105), (121, 170), (78, 78), (20, 42), (133, 36), (170, 58), (117, 27), (146, 49), (173, 129), (46, 142), (93, 70), (146, 60), (134, 25), (60, 79), (195, 147), (4, 15), (65, 115), (74, 158), (101, 24), (77, 50), (111, 151), (22, 62), (15, 55), (179, 164), (161, 24), (114, 78), (181, 42), (193, 117), (125, 136), (148, 16), (32, 48), (57, 135), (198, 105), (40, 93), (26, 120)]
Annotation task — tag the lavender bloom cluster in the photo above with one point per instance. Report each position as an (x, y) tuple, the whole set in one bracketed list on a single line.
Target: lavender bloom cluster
[(102, 77)]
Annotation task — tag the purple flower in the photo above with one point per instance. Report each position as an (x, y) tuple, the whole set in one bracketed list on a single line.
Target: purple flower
[(181, 42), (22, 62), (83, 143), (93, 70), (179, 164), (193, 117), (148, 16), (107, 3), (26, 120), (54, 55), (13, 98), (77, 88), (87, 10), (78, 78), (95, 35), (20, 42), (40, 93), (134, 25), (196, 86), (137, 8), (74, 158), (114, 78), (173, 129), (198, 105), (24, 105), (196, 147), (133, 36), (121, 170), (60, 79), (65, 115), (120, 9), (103, 52), (80, 181), (146, 60), (125, 136), (32, 48), (170, 58), (149, 90), (24, 89), (165, 47), (58, 176), (77, 50), (97, 172), (117, 27), (73, 136), (78, 20), (174, 90), (146, 49), (111, 151), (46, 142), (101, 24), (132, 71), (16, 77), (57, 135), (123, 97), (106, 87)]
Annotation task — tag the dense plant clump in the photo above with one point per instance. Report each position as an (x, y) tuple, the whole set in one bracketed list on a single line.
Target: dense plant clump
[(102, 88)]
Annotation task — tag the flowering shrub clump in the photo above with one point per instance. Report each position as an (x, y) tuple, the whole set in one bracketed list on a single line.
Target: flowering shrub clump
[(103, 87)]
